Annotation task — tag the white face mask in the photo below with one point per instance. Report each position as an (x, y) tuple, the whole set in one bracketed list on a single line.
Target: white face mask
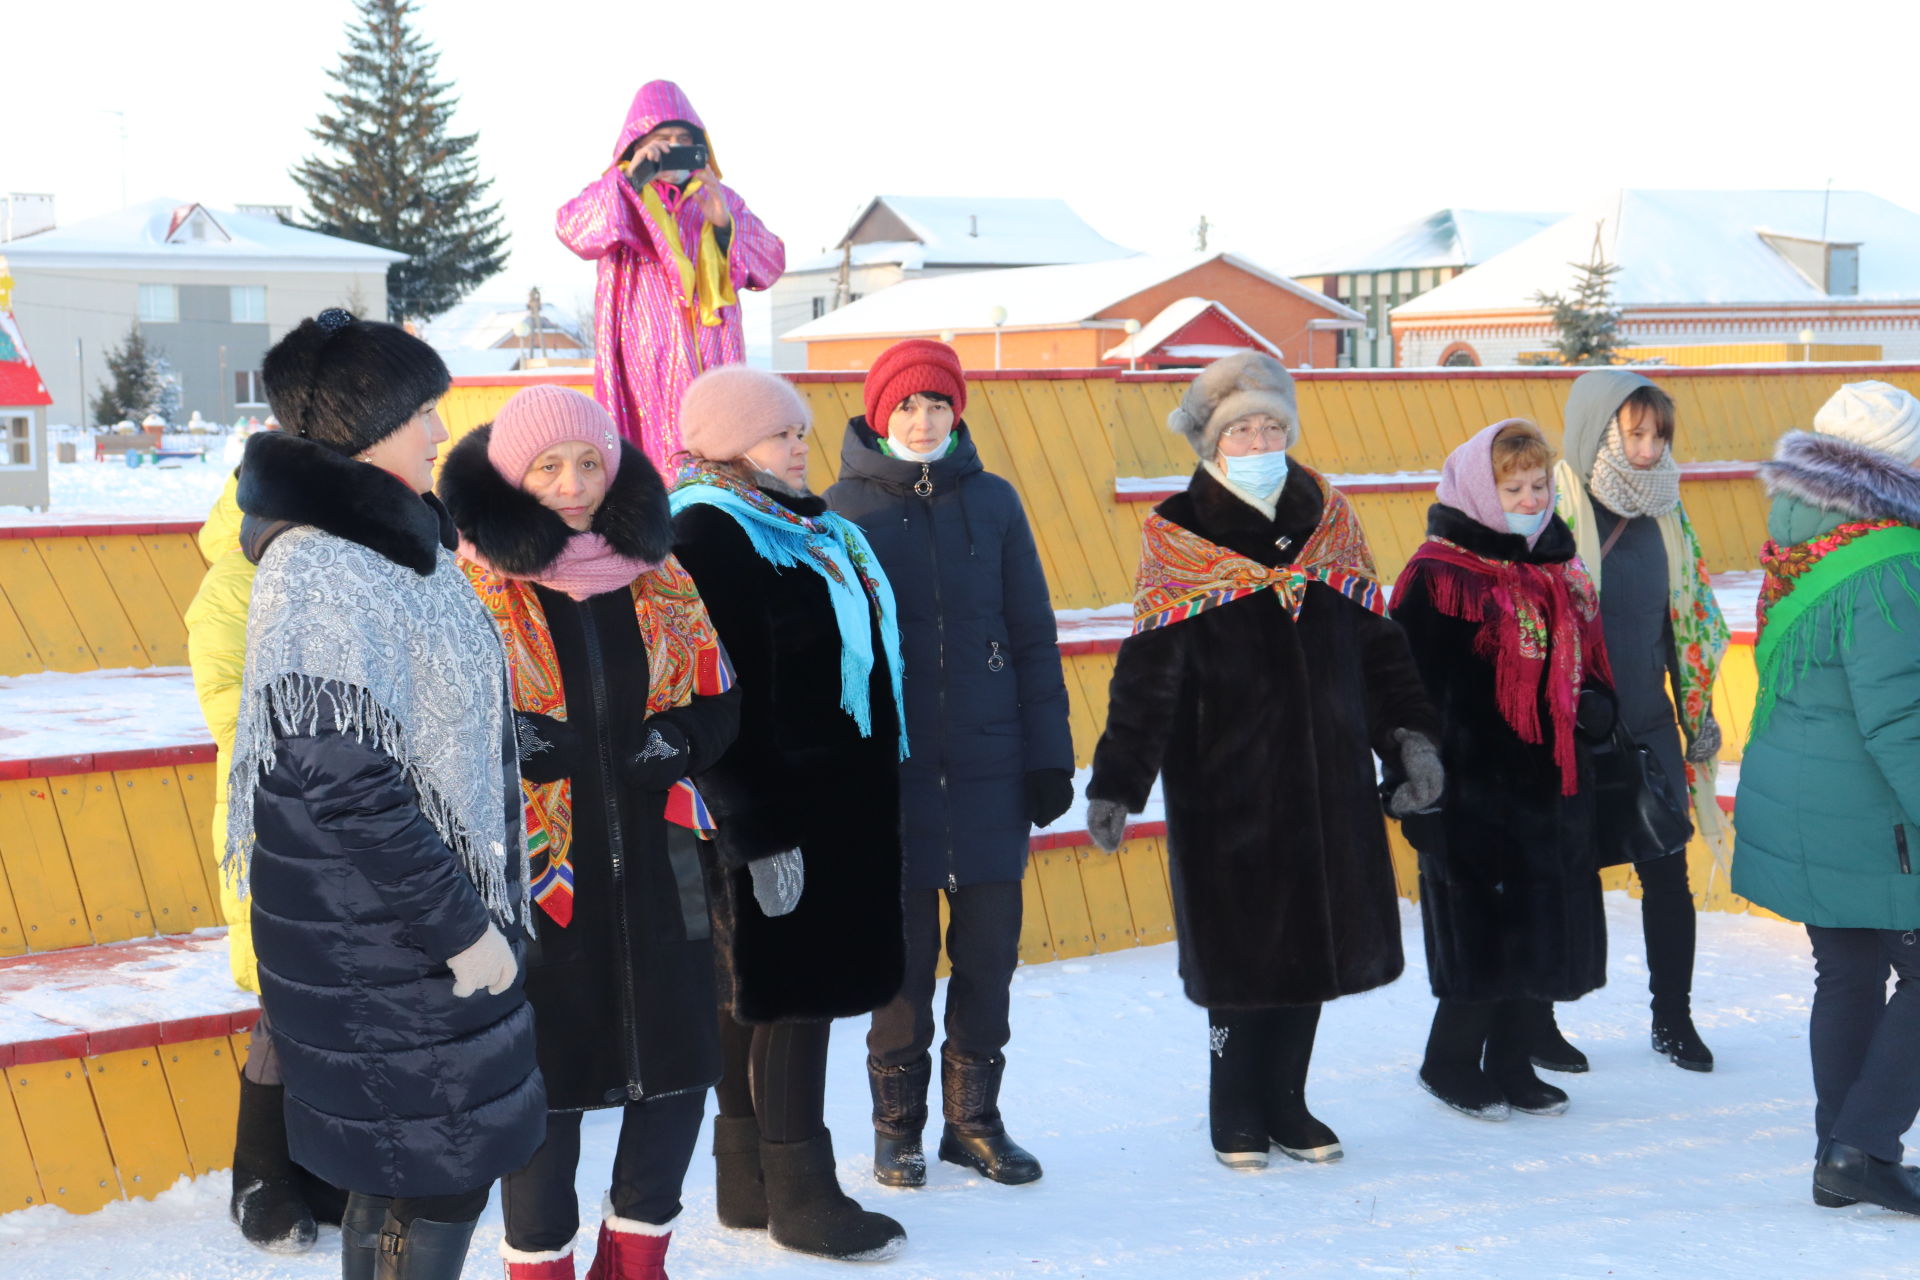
[(903, 450), (1526, 525), (678, 177), (1256, 474)]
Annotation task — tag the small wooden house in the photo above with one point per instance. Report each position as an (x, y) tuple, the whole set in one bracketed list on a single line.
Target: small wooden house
[(23, 412)]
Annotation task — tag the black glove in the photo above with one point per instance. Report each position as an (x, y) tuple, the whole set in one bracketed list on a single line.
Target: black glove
[(660, 759), (549, 748), (1049, 794)]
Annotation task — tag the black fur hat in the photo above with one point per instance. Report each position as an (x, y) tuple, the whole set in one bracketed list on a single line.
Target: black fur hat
[(347, 383)]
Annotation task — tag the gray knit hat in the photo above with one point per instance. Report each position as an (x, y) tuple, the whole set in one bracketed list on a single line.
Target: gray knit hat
[(1230, 389)]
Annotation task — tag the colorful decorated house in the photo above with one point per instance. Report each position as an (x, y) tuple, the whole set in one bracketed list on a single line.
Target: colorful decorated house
[(23, 412)]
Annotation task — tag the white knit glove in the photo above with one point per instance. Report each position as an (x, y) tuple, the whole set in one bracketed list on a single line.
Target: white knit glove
[(487, 963), (777, 882)]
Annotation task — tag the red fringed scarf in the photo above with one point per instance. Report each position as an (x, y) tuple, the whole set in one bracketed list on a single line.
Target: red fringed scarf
[(1539, 626)]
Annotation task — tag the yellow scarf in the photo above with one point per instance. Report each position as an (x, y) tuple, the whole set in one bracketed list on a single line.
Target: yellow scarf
[(705, 283)]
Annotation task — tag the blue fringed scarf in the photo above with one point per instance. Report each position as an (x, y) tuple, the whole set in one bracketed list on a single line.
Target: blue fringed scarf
[(833, 547)]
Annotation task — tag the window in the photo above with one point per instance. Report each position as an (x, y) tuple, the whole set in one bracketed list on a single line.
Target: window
[(248, 390), (159, 304), (820, 306), (248, 303), (16, 442)]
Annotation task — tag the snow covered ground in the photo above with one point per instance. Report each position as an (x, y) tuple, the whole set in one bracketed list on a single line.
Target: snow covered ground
[(1654, 1171), (170, 491), (57, 713)]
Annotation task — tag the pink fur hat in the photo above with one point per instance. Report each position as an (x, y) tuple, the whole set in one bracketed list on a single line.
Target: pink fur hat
[(729, 410)]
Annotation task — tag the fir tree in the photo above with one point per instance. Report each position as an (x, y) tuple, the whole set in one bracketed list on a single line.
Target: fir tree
[(1587, 324), (396, 178), (131, 388)]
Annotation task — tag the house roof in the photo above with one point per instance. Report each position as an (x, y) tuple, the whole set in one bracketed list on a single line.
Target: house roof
[(1445, 238), (481, 324), (973, 231), (20, 384), (1696, 248), (1034, 297), (1175, 317), (191, 237)]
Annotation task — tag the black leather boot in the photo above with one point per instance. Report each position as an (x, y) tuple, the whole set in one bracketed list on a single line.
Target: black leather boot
[(809, 1213), (1675, 1039), (1236, 1109), (899, 1118), (360, 1223), (267, 1202), (1510, 1064), (1452, 1072), (1548, 1043), (739, 1188), (423, 1249), (1844, 1175), (975, 1136), (1292, 1127)]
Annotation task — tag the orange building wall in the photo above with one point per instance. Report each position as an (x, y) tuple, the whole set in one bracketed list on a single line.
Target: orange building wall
[(1073, 348), (1274, 313)]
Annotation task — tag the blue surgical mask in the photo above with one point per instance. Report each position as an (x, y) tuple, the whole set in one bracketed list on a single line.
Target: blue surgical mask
[(1256, 474), (1526, 525)]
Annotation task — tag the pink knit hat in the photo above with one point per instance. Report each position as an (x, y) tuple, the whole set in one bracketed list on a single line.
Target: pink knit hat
[(539, 418), (729, 410)]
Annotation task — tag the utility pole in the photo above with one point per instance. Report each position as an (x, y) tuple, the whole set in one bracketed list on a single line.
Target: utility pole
[(533, 311), (1202, 230)]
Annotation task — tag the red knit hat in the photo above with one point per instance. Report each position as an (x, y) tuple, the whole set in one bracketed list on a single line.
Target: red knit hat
[(915, 365)]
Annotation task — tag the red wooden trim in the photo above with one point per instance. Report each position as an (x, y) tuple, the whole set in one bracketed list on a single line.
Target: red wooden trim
[(104, 530), (101, 761), (1748, 638), (1074, 839), (139, 1035), (581, 375), (1074, 648), (52, 1049)]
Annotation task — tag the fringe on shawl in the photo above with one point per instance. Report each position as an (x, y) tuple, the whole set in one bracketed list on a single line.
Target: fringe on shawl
[(1825, 631)]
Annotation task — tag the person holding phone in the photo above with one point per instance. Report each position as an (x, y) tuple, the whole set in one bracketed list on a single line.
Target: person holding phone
[(674, 248)]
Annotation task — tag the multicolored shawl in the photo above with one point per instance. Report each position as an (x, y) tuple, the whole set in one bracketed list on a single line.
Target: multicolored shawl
[(685, 660), (1700, 634), (1539, 627), (1829, 570), (829, 545), (1182, 574)]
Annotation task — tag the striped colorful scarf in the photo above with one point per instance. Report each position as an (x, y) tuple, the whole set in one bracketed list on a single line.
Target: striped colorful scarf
[(685, 660), (1182, 574)]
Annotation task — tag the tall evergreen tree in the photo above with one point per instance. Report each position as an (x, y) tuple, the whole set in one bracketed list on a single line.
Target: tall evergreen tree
[(1587, 324), (131, 389), (396, 177)]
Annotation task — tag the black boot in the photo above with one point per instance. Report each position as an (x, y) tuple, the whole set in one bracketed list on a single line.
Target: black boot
[(1291, 1126), (1236, 1111), (1549, 1046), (809, 1213), (1844, 1175), (1675, 1039), (739, 1189), (1510, 1063), (267, 1204), (423, 1249), (975, 1136), (899, 1118), (327, 1202), (1452, 1072), (360, 1223)]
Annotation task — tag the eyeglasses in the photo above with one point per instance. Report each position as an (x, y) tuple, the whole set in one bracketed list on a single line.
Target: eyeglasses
[(1247, 433)]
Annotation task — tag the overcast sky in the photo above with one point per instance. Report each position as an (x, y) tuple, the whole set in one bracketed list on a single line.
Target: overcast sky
[(1290, 127)]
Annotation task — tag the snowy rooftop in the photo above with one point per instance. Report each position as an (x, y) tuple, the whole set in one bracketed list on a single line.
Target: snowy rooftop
[(1447, 238), (190, 237), (481, 324), (1034, 297), (969, 231), (1694, 248), (1176, 316)]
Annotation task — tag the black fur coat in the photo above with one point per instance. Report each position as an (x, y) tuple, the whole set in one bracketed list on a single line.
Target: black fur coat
[(799, 776), (1265, 730), (1509, 892)]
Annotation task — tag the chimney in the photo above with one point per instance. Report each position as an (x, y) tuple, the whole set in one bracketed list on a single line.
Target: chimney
[(25, 214), (973, 225)]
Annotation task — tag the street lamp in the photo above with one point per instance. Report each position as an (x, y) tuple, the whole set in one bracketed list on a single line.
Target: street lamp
[(999, 317), (1806, 345), (1132, 328)]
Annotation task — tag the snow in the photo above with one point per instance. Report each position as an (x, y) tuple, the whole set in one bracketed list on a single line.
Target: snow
[(1738, 593), (137, 236), (55, 713), (120, 984), (1108, 622), (1446, 238), (87, 492), (1074, 820), (1653, 1172)]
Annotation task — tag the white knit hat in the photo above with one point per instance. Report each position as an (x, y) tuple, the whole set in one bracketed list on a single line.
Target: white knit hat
[(1876, 415)]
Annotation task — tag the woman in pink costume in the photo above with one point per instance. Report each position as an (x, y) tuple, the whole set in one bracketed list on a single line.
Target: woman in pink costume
[(674, 247)]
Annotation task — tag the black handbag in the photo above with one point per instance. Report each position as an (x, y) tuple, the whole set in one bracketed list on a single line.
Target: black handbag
[(1638, 816)]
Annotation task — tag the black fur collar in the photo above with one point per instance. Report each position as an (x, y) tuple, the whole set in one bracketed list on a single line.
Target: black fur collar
[(286, 480), (1219, 515), (1555, 545), (516, 535), (1838, 475)]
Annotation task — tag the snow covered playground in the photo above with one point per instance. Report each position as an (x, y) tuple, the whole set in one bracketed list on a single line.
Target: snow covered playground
[(120, 1028)]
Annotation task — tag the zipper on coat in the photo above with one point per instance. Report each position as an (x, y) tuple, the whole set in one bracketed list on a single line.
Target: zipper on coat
[(1900, 844), (940, 648), (616, 853)]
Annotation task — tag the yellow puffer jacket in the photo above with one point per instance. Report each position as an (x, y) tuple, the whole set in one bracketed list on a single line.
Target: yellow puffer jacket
[(217, 648)]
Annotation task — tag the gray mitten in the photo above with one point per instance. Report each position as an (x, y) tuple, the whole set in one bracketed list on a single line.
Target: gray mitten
[(1420, 761), (1706, 744), (777, 882), (1107, 823)]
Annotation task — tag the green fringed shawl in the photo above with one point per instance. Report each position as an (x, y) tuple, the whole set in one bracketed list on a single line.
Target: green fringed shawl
[(1809, 615)]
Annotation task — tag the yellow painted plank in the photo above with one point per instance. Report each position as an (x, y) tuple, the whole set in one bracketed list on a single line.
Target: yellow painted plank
[(45, 892), (19, 1183), (1143, 867), (13, 935), (136, 1109), (102, 856), (1071, 579), (165, 849), (143, 598), (1067, 923), (944, 967), (63, 1131), (1036, 944), (196, 783), (111, 638), (40, 608), (1735, 691), (206, 1097), (176, 561), (1104, 886), (18, 657), (239, 1041)]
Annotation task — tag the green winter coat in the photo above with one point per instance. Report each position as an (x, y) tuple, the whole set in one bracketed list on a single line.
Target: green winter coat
[(1828, 812)]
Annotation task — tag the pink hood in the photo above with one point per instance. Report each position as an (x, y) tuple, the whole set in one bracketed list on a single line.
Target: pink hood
[(1468, 486), (658, 102)]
